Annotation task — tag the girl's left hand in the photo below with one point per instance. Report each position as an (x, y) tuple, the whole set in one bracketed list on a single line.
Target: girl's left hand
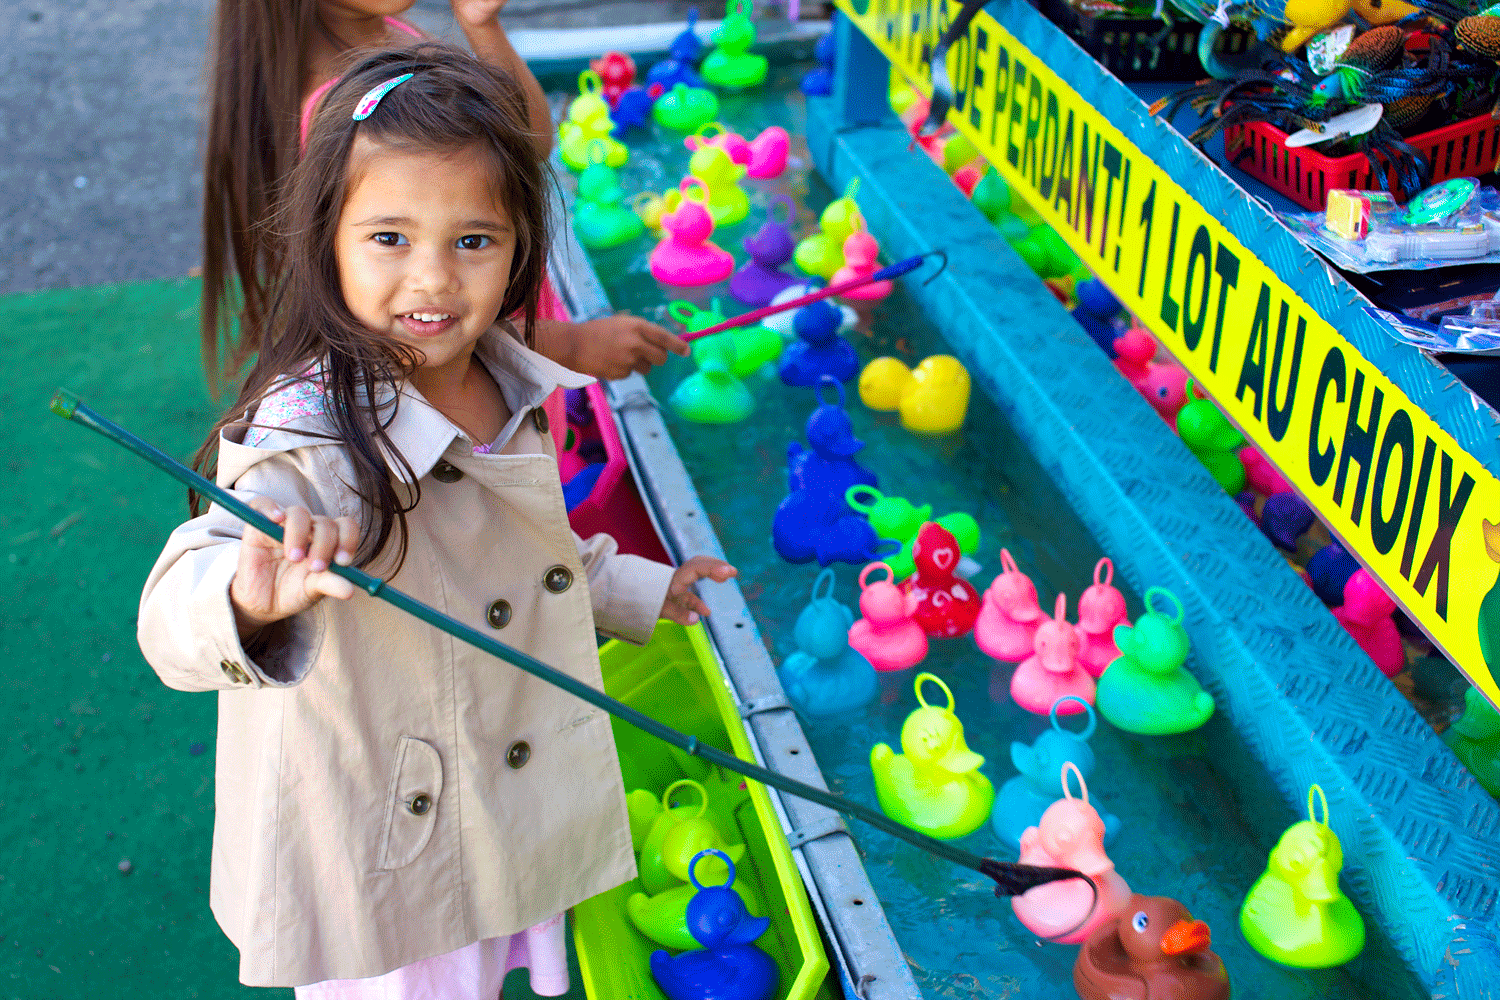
[(683, 605), (476, 13)]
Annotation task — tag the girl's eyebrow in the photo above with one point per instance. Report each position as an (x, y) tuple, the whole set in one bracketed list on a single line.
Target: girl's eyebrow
[(488, 225)]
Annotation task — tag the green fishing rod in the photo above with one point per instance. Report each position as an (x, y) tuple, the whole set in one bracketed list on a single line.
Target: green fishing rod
[(1010, 878)]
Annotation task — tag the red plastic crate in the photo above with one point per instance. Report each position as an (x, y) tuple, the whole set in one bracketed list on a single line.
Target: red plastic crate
[(1463, 149)]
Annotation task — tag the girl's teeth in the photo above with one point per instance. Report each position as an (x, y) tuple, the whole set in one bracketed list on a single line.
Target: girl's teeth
[(429, 317)]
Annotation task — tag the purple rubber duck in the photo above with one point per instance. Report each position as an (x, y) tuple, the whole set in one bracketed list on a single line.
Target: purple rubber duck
[(761, 279), (1284, 517)]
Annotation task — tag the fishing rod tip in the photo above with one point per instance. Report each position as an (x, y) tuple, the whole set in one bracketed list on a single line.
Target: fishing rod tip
[(1013, 879), (64, 403)]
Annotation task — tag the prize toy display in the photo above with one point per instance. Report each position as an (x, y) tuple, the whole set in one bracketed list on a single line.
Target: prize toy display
[(1213, 440), (685, 256), (1296, 914), (616, 72), (762, 157), (726, 966), (599, 218), (1053, 671), (1154, 950), (933, 785), (684, 108), (888, 636), (1070, 834), (1162, 383), (898, 519), (1329, 569), (754, 345), (1007, 623), (727, 201), (1366, 615), (1024, 798), (932, 398), (822, 254), (819, 82), (588, 121), (860, 253), (1101, 609), (761, 279), (1474, 738), (784, 322), (684, 52), (947, 604), (1148, 690), (826, 676), (819, 352), (1454, 222), (731, 65), (713, 394)]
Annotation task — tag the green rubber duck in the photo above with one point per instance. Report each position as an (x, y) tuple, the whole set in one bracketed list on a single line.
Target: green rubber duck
[(730, 65), (898, 519), (992, 196), (685, 109), (1296, 914), (713, 394), (1212, 438), (1475, 739), (1489, 608), (822, 254), (1147, 690), (676, 834), (599, 218), (754, 346)]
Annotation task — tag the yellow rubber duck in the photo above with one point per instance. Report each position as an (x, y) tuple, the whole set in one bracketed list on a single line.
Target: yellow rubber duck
[(727, 201), (933, 398), (822, 253), (934, 786), (575, 139)]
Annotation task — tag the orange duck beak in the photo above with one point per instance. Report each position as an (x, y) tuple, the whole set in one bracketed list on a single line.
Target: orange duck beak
[(1185, 938)]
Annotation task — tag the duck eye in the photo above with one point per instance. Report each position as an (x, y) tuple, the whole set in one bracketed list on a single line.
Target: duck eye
[(1139, 922)]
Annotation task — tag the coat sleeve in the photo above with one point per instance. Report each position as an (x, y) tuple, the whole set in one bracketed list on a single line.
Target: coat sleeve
[(627, 591), (186, 627)]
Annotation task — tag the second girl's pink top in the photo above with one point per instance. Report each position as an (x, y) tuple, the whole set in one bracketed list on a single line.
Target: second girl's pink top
[(311, 104)]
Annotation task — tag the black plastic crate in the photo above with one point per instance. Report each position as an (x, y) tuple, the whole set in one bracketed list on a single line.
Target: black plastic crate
[(1133, 48)]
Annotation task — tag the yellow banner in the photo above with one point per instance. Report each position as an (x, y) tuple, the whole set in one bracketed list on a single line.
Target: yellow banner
[(1395, 487)]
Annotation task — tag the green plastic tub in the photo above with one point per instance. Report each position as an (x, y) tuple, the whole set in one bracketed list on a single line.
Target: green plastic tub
[(676, 679)]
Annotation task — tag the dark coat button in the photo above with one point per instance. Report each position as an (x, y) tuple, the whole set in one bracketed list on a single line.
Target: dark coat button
[(518, 754), (446, 472), (420, 803), (558, 579), (498, 614), (539, 417)]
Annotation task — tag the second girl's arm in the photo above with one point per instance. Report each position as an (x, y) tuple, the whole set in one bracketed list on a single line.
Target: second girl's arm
[(480, 21)]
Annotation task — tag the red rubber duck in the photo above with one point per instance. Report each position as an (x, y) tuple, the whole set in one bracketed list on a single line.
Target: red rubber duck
[(947, 605), (1154, 950)]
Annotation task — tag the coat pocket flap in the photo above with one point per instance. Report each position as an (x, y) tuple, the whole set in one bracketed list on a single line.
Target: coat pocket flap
[(412, 806)]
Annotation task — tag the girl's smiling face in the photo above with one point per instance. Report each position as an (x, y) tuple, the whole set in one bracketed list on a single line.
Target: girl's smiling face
[(423, 249)]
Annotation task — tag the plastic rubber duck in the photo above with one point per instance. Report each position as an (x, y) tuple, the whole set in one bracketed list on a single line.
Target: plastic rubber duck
[(947, 604), (1101, 608), (575, 140), (1209, 435), (598, 217), (754, 346), (1099, 313), (899, 519), (1295, 913), (1154, 950), (713, 394), (651, 206), (888, 636), (819, 351), (685, 256), (1053, 670), (677, 833), (1147, 690), (1024, 798), (1366, 615), (727, 201), (631, 110), (819, 82), (761, 279), (784, 323), (730, 65), (1260, 474), (991, 195), (683, 54), (1008, 620), (768, 153), (1330, 568), (591, 104), (684, 108), (933, 785), (687, 46), (715, 134), (825, 676), (616, 72), (860, 253), (1163, 384), (1070, 835), (822, 254), (1284, 518), (1475, 739), (933, 398), (728, 966), (827, 464)]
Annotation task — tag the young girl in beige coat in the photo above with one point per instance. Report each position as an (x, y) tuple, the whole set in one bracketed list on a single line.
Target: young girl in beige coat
[(397, 814)]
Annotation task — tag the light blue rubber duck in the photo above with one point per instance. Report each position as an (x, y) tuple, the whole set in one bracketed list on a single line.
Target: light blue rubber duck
[(825, 676), (1024, 798)]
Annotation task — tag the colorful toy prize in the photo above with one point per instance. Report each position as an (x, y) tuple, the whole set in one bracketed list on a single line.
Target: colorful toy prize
[(715, 134), (616, 72), (1024, 798), (1330, 568), (991, 195), (731, 65), (1366, 615), (933, 398), (676, 834), (1474, 739), (590, 105), (1100, 609), (651, 206), (728, 966), (631, 110), (687, 46), (761, 279), (819, 82), (668, 73), (1008, 620), (825, 676), (1053, 671), (898, 519), (784, 323), (860, 260), (819, 352), (598, 217), (685, 256), (828, 464), (947, 604), (933, 785), (888, 636), (754, 346), (1147, 690), (1296, 914), (1070, 834), (1154, 950), (684, 108), (713, 394), (727, 201), (1210, 436), (1099, 313), (1164, 385), (822, 254), (1284, 518), (768, 153), (575, 141)]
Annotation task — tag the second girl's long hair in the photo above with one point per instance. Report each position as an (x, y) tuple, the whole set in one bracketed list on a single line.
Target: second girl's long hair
[(453, 102)]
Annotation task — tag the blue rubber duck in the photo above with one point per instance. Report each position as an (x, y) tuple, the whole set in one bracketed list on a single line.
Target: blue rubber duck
[(1097, 312), (684, 52), (728, 967), (1330, 568), (825, 676), (819, 82), (819, 350), (828, 463), (1024, 798)]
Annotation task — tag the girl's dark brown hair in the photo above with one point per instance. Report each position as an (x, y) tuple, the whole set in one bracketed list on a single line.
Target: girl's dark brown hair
[(453, 102)]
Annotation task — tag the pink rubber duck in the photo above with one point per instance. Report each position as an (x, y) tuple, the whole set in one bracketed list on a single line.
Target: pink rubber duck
[(1100, 609), (1366, 615), (1164, 384), (1261, 474), (768, 153), (1007, 623), (1070, 835), (685, 257), (947, 604), (1054, 670), (860, 252), (887, 635)]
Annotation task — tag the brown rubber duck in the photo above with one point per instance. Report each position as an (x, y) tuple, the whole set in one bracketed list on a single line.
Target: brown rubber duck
[(1155, 950)]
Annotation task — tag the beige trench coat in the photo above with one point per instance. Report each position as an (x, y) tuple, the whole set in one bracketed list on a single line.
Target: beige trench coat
[(383, 791)]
